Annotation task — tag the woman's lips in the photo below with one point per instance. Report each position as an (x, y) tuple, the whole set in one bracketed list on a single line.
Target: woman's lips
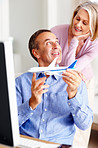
[(77, 29)]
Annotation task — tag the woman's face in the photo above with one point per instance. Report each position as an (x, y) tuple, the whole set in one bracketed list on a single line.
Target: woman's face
[(81, 23)]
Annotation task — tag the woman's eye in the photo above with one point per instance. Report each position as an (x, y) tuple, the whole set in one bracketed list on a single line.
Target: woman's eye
[(78, 19), (85, 23)]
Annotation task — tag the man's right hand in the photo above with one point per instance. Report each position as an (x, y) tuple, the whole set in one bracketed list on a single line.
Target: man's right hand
[(37, 89)]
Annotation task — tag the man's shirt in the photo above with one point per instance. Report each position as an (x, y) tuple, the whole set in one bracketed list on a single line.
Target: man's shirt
[(55, 118)]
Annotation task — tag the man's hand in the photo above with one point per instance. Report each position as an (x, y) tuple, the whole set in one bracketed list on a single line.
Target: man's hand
[(37, 89), (73, 79)]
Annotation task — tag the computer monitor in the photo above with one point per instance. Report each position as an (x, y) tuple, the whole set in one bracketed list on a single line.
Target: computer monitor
[(9, 130)]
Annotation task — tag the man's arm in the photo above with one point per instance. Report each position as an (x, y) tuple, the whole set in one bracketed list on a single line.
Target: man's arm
[(78, 99), (79, 108), (26, 108)]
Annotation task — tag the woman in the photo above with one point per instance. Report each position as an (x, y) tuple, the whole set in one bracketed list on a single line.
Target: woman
[(79, 39)]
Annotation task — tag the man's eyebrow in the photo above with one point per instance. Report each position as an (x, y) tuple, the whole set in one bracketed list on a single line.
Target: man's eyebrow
[(49, 39)]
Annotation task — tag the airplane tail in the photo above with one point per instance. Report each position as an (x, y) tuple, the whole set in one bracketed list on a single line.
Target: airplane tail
[(72, 66)]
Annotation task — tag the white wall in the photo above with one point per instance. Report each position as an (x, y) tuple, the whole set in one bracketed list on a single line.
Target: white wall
[(25, 18), (64, 11), (4, 19)]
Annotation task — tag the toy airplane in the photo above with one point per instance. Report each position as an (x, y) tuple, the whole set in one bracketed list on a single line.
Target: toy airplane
[(51, 70)]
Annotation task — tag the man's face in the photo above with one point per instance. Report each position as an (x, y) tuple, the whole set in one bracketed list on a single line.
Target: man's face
[(49, 49)]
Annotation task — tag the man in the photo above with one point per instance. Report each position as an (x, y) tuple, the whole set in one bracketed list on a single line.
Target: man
[(49, 107)]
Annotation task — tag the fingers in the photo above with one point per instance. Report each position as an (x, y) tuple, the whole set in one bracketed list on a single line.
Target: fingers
[(72, 78), (42, 88), (82, 76), (71, 75), (38, 85), (83, 36)]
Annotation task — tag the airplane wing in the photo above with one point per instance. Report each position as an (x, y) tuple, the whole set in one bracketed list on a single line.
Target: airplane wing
[(52, 70)]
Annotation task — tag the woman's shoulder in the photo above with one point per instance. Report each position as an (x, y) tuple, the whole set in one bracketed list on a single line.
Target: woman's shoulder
[(61, 31), (94, 42)]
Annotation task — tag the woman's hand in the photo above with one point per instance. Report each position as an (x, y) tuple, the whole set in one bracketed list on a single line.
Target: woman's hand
[(82, 37)]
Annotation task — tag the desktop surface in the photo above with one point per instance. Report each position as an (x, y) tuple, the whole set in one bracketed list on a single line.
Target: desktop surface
[(44, 143)]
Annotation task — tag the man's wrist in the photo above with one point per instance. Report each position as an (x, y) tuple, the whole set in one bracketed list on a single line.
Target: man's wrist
[(32, 104), (72, 94)]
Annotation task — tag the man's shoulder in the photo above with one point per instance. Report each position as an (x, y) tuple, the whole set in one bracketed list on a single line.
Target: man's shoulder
[(24, 77)]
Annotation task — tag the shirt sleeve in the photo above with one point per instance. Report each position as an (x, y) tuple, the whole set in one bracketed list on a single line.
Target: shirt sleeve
[(81, 112), (24, 110)]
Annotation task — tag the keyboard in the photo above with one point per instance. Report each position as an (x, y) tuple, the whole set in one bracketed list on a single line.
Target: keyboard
[(29, 143)]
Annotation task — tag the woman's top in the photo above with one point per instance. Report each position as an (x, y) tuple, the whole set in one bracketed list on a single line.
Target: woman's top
[(85, 56)]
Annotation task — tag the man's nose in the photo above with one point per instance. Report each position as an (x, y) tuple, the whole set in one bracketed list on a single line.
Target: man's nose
[(54, 45)]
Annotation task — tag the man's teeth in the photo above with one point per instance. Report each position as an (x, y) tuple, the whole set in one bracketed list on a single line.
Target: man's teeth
[(55, 53)]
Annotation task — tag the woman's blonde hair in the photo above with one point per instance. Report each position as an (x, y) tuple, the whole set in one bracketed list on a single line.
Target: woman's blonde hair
[(92, 9)]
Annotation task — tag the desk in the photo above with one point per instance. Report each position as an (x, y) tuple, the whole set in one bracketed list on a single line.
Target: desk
[(35, 139)]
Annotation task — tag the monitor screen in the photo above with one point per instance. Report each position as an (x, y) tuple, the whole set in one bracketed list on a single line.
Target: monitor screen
[(9, 130)]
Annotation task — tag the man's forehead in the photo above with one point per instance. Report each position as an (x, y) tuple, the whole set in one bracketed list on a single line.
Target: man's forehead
[(45, 36)]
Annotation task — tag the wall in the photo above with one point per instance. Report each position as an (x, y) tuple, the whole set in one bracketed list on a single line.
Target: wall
[(4, 19), (25, 18), (28, 16), (64, 11)]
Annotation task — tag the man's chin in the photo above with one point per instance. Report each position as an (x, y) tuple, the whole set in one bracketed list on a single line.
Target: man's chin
[(58, 61)]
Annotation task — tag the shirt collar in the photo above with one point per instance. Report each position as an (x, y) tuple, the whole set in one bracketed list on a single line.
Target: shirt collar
[(40, 75)]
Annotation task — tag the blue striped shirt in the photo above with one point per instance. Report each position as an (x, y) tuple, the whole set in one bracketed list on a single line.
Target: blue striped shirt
[(55, 118)]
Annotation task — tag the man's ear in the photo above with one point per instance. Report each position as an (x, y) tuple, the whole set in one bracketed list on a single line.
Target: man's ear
[(35, 53)]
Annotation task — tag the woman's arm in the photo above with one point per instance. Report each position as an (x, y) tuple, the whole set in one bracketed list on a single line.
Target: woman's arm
[(85, 56)]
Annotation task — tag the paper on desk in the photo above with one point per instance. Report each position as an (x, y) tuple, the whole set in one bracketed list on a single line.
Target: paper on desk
[(28, 143)]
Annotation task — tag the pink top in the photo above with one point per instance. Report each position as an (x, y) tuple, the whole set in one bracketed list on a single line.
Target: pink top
[(87, 53)]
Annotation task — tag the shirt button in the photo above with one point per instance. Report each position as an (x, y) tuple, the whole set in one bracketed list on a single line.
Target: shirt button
[(45, 109), (45, 95), (41, 131), (43, 120)]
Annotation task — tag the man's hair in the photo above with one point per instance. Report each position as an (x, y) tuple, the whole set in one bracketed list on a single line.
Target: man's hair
[(92, 9), (33, 44)]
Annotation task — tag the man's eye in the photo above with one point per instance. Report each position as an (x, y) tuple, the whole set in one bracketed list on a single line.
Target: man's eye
[(48, 43), (57, 42)]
